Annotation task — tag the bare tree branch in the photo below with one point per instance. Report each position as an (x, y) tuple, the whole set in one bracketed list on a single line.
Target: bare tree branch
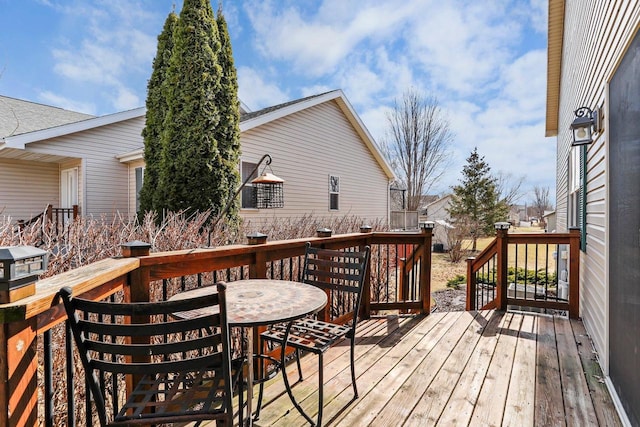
[(508, 187), (417, 144), (541, 201)]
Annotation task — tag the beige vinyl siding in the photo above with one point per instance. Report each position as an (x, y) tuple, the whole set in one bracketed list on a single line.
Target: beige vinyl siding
[(309, 146), (33, 185), (596, 35), (104, 179)]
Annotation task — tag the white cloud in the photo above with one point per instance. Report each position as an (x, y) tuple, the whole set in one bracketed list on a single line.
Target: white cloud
[(255, 92), (113, 53), (316, 43), (126, 100), (375, 120), (461, 45), (50, 98)]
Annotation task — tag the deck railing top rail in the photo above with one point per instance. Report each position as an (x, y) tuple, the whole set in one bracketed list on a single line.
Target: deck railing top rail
[(509, 270), (138, 276)]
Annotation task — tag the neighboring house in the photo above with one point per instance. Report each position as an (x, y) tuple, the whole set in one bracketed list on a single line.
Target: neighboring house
[(52, 156), (550, 221), (593, 61), (319, 146), (436, 211)]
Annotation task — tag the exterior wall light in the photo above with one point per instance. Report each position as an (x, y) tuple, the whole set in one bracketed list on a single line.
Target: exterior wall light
[(583, 125)]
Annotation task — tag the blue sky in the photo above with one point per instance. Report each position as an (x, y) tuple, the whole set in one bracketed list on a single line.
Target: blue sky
[(485, 61)]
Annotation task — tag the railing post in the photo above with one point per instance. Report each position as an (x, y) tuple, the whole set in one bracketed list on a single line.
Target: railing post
[(258, 270), (471, 285), (75, 212), (365, 305), (425, 267), (574, 273), (325, 313), (502, 230), (324, 232), (50, 213), (137, 291), (18, 340), (18, 374)]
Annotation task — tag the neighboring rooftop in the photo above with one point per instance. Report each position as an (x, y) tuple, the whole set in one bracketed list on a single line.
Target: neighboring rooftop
[(253, 114), (18, 116)]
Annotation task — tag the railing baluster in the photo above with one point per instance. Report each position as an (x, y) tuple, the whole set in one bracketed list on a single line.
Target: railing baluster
[(48, 380), (71, 409)]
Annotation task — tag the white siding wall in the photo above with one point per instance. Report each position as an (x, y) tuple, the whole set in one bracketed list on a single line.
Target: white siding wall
[(596, 34), (27, 188), (104, 180), (306, 148)]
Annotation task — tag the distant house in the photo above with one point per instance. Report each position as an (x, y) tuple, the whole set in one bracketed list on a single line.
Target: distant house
[(593, 61), (436, 211), (319, 146)]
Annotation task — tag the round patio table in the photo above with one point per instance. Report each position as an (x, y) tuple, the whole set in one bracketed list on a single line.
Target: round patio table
[(260, 302)]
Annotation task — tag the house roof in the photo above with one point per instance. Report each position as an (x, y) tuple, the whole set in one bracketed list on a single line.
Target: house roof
[(266, 115), (254, 114), (554, 64), (18, 116), (20, 141), (248, 120)]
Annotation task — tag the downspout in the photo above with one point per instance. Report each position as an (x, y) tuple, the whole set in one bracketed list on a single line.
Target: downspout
[(389, 183)]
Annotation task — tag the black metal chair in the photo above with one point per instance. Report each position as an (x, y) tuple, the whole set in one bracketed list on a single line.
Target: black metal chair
[(342, 275), (180, 368)]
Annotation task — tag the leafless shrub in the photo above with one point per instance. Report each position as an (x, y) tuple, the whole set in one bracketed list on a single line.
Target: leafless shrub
[(87, 240), (455, 240)]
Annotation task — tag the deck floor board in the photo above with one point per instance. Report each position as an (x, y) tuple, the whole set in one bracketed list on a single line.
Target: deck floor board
[(453, 369)]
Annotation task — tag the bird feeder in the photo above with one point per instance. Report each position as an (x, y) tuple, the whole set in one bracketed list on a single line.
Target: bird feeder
[(268, 191), (20, 267)]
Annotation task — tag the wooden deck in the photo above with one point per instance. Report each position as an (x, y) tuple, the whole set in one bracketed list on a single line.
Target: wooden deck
[(455, 369)]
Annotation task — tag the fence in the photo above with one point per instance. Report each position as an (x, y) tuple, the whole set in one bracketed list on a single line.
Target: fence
[(526, 270), (38, 383)]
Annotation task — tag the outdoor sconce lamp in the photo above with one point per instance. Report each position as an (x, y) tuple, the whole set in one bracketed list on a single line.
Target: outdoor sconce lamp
[(583, 126)]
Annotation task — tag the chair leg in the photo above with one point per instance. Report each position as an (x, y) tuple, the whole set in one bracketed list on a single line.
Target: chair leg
[(256, 417), (353, 369), (240, 399), (285, 378), (298, 363), (320, 389)]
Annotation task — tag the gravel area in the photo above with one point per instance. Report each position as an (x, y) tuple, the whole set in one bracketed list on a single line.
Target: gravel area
[(450, 299)]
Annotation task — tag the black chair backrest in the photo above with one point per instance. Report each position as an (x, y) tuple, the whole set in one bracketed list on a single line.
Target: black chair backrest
[(342, 272), (124, 339)]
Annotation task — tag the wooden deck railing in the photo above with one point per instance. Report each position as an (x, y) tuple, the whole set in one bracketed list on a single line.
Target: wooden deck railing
[(38, 384), (526, 270), (53, 219)]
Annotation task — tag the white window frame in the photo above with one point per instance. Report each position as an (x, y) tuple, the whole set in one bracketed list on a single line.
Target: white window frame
[(334, 191), (573, 209)]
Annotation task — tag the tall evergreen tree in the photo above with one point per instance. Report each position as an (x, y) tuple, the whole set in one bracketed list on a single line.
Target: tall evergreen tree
[(228, 130), (156, 110), (192, 174), (476, 201)]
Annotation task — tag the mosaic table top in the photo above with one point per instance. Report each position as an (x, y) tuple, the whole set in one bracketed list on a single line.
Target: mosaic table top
[(256, 302)]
